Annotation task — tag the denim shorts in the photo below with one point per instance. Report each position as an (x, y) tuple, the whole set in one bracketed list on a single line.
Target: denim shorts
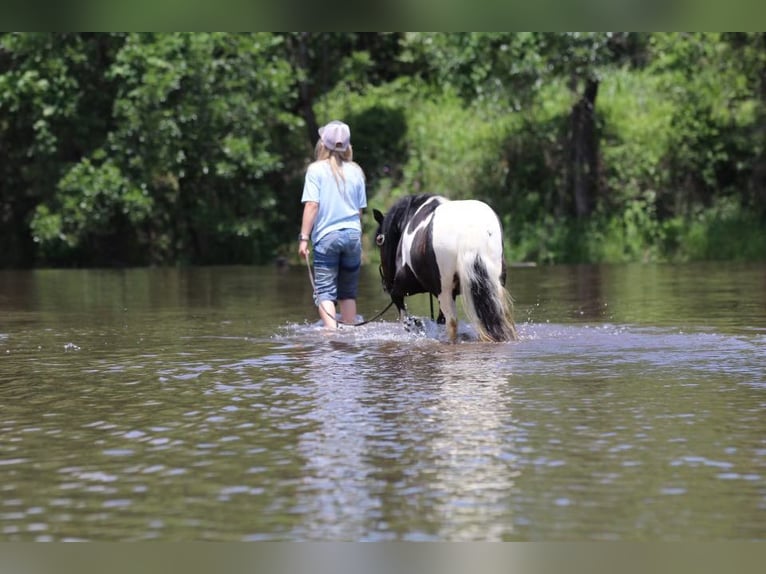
[(337, 260)]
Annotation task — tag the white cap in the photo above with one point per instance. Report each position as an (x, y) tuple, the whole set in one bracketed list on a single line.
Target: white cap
[(335, 136)]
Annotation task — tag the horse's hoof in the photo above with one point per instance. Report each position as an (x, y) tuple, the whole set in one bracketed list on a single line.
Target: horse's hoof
[(413, 324)]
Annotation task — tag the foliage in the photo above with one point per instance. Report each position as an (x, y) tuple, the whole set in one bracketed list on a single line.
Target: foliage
[(185, 168), (726, 231), (132, 149)]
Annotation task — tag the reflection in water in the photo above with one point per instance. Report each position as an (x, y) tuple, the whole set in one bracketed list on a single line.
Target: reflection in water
[(476, 443), (336, 494), (203, 404), (408, 436)]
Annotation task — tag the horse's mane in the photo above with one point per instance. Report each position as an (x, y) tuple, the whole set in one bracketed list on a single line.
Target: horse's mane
[(393, 227)]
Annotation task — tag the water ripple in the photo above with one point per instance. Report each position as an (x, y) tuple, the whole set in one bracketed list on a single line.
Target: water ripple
[(177, 422)]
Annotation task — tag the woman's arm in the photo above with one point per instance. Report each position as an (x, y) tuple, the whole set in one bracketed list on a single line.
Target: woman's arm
[(310, 209)]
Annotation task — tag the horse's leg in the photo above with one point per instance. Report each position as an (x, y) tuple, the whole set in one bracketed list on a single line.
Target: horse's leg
[(405, 283), (404, 317), (449, 309), (400, 306), (410, 322)]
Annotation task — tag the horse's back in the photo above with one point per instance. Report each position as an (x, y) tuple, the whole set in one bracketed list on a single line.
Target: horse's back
[(470, 220), (467, 212)]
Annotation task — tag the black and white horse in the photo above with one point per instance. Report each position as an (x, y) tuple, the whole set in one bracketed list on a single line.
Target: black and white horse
[(429, 244)]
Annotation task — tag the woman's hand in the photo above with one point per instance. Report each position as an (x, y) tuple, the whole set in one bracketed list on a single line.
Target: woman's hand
[(303, 249)]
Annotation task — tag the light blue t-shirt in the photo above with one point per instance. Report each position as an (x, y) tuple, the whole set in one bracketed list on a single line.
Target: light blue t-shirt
[(338, 207)]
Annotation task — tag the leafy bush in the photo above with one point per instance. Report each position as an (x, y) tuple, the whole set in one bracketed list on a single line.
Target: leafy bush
[(724, 232)]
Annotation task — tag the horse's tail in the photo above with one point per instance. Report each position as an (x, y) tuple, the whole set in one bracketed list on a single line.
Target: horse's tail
[(486, 302)]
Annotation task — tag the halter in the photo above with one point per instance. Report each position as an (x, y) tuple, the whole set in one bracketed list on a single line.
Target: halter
[(380, 239)]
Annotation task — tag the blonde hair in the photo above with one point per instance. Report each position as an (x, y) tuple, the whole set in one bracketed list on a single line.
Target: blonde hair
[(336, 159)]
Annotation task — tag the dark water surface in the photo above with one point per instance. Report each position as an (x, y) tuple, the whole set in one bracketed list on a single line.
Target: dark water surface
[(204, 404)]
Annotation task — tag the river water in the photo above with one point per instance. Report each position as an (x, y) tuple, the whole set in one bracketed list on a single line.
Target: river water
[(206, 404)]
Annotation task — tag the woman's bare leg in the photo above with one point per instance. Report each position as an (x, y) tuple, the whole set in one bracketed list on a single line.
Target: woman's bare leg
[(348, 311), (326, 311)]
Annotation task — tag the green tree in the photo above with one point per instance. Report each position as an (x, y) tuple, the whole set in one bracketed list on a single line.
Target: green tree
[(54, 107), (510, 71), (717, 110), (322, 60), (191, 170), (747, 51), (165, 148)]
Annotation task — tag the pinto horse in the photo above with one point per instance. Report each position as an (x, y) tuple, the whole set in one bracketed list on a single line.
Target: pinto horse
[(430, 244)]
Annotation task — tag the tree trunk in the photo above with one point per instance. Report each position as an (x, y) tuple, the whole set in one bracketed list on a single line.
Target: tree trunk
[(583, 146), (299, 49)]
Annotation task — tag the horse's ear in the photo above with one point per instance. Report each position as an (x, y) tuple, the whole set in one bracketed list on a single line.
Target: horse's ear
[(379, 217)]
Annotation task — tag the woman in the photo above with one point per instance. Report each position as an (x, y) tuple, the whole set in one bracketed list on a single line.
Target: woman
[(333, 198)]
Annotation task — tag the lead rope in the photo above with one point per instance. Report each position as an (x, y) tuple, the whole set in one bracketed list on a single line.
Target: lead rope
[(338, 323)]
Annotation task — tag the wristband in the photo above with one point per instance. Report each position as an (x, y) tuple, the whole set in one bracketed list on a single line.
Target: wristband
[(302, 237)]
